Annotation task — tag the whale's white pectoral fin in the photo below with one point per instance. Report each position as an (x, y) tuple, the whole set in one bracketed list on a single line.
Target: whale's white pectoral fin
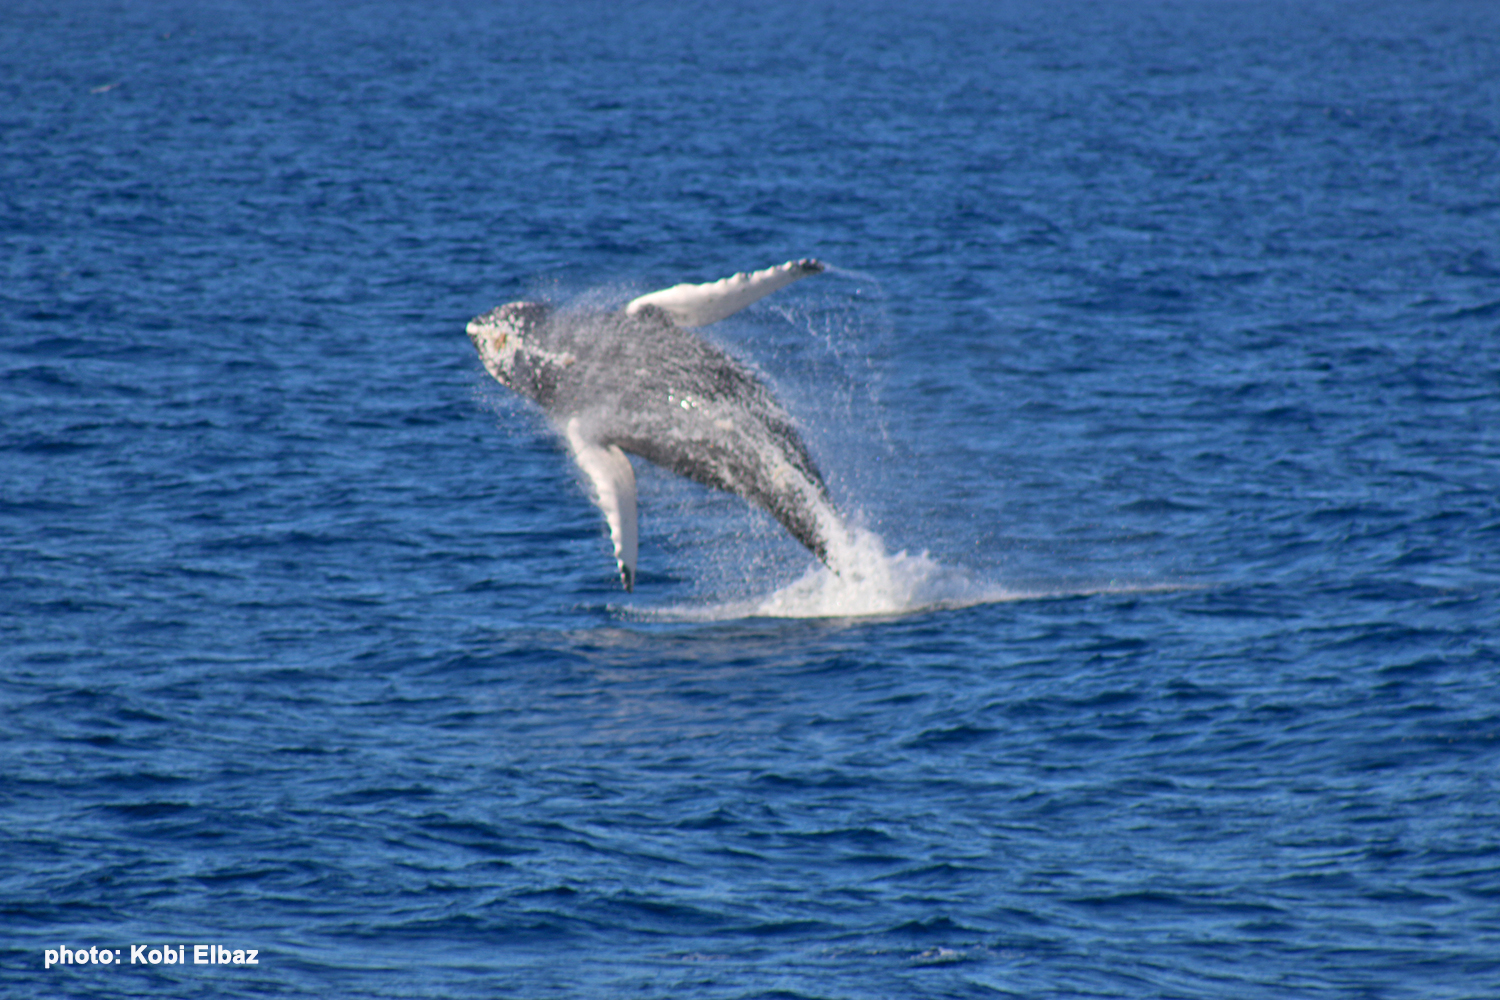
[(613, 480), (700, 305)]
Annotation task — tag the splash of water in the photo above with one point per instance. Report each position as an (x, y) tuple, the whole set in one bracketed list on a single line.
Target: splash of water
[(874, 583), (871, 582)]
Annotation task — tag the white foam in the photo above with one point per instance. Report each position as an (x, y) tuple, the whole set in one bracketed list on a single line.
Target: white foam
[(870, 582), (874, 583)]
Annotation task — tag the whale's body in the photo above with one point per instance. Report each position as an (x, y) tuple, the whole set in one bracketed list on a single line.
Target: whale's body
[(639, 382)]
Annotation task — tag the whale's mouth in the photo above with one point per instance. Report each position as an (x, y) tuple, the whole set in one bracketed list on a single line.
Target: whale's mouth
[(489, 340), (481, 331), (486, 336), (511, 318), (499, 335)]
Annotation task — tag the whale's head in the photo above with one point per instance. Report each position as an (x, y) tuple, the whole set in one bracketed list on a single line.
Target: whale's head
[(500, 337), (506, 339)]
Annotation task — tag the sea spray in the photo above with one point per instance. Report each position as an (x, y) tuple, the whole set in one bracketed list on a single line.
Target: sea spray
[(870, 582)]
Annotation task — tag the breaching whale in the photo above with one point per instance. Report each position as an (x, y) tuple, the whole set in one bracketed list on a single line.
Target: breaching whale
[(639, 382)]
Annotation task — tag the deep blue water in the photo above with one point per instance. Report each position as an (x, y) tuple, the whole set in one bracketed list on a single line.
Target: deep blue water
[(1161, 350)]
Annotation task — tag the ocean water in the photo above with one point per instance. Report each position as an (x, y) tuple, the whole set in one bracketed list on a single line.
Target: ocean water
[(1157, 367)]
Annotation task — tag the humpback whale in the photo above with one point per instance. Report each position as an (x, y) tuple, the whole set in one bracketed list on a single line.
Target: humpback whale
[(639, 382)]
